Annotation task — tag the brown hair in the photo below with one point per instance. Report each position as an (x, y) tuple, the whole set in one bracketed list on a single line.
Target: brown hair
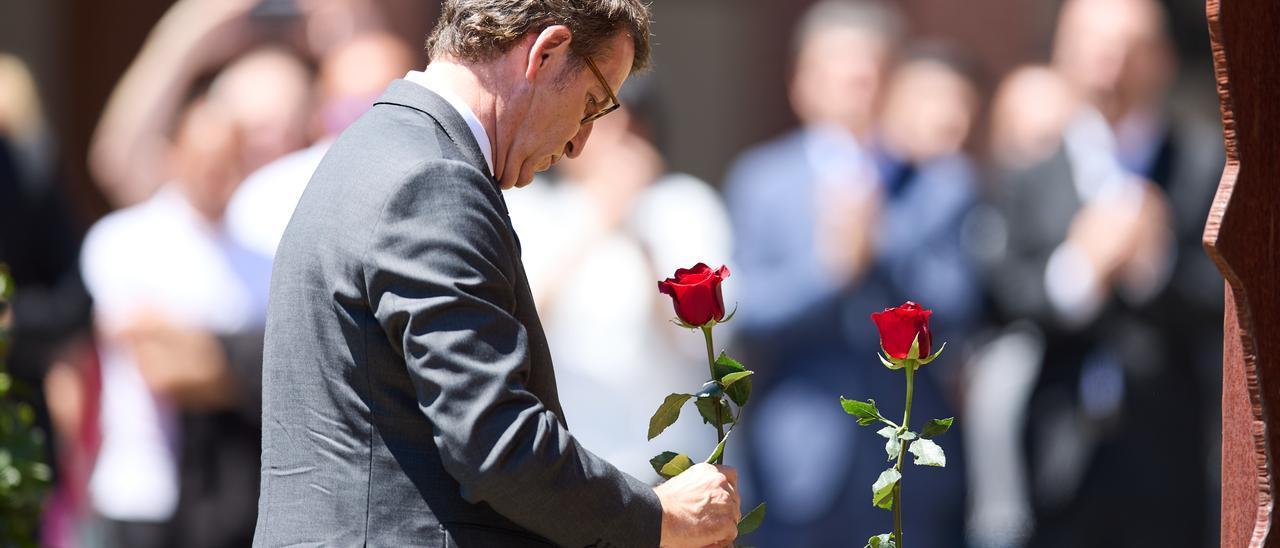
[(481, 30)]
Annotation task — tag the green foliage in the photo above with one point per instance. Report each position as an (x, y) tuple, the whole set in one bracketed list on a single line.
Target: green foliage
[(667, 413), (24, 476), (719, 450), (936, 427), (751, 521), (882, 489), (739, 389), (895, 437), (865, 411), (731, 378), (934, 356), (728, 378), (708, 407), (881, 541), (928, 453), (891, 363), (914, 352), (670, 464)]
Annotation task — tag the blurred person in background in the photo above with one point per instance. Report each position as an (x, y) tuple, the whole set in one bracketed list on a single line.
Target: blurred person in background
[(614, 222), (811, 212), (930, 185), (179, 307), (128, 155), (1102, 256), (351, 77), (39, 242), (1029, 111)]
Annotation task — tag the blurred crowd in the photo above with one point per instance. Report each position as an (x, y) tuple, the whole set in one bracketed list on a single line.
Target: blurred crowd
[(1056, 235)]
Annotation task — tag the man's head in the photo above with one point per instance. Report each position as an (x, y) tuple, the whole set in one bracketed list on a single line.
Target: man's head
[(930, 102), (1030, 109), (206, 150), (478, 31), (549, 65), (1116, 53), (842, 50), (267, 93)]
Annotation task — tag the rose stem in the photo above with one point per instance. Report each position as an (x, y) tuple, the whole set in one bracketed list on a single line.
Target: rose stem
[(897, 489), (711, 365)]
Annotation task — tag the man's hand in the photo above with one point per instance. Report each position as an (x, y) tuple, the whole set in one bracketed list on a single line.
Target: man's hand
[(1111, 232), (700, 507), (187, 365), (846, 231)]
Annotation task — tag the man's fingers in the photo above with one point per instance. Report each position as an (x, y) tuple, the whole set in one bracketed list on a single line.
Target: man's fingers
[(729, 473)]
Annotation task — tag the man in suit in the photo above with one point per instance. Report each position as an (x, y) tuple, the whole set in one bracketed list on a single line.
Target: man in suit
[(824, 238), (408, 394), (1103, 256)]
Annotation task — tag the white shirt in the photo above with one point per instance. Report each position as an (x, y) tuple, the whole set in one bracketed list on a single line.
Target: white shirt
[(606, 324), (158, 255), (464, 110)]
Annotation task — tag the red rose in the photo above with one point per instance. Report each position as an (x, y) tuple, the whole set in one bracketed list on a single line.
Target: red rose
[(695, 292), (900, 325)]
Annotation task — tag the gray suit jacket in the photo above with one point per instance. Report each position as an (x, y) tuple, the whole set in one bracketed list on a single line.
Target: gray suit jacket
[(408, 394)]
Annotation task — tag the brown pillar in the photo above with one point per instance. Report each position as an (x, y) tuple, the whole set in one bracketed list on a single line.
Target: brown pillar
[(1243, 237)]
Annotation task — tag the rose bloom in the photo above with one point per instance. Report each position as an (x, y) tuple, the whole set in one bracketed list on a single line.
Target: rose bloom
[(695, 292), (899, 326)]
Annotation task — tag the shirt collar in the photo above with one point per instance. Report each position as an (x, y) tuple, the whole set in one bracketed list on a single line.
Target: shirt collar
[(464, 110)]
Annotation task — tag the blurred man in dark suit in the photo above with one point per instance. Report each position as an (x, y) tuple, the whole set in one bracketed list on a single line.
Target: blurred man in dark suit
[(1103, 254)]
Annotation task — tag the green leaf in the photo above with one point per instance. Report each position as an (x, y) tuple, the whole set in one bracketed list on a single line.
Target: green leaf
[(914, 353), (719, 450), (670, 465), (936, 427), (934, 356), (725, 365), (707, 408), (750, 522), (731, 378), (865, 411), (667, 413), (881, 541), (928, 453), (661, 460), (882, 489), (740, 391)]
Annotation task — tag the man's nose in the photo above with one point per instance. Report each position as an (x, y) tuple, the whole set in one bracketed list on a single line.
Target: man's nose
[(579, 141)]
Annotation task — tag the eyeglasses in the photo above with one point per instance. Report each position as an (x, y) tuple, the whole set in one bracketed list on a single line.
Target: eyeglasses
[(613, 100)]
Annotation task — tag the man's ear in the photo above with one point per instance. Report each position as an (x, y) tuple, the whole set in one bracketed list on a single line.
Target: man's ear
[(550, 47)]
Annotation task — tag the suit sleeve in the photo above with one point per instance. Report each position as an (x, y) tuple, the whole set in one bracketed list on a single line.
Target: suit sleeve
[(440, 275)]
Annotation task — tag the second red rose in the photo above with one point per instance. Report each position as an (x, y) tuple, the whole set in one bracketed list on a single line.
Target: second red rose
[(900, 325), (695, 293)]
